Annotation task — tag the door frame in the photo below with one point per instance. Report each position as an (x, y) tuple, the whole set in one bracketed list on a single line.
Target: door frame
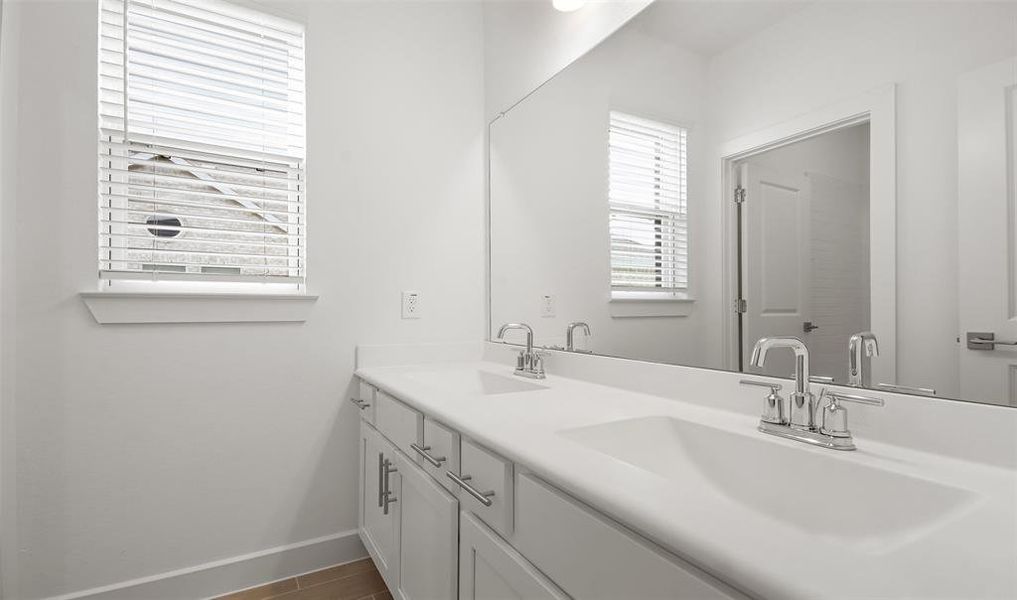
[(876, 107)]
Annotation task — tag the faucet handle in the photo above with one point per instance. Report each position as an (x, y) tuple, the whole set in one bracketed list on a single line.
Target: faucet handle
[(841, 397), (538, 361), (835, 416), (773, 405)]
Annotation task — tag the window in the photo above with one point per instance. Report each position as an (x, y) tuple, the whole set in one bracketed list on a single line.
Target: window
[(647, 199), (201, 143)]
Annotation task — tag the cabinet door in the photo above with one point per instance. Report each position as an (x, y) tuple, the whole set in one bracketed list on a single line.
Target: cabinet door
[(429, 536), (379, 531), (489, 569)]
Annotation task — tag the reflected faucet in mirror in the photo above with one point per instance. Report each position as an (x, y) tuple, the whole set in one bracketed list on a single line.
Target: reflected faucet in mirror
[(570, 339), (861, 346), (528, 363)]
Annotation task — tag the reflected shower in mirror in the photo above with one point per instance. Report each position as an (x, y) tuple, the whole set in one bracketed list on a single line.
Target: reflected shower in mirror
[(717, 172)]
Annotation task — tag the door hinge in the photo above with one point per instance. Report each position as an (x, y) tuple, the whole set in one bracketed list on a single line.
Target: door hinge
[(739, 195), (740, 305)]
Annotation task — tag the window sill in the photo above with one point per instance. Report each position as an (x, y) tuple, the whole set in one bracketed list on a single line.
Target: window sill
[(649, 305), (161, 307)]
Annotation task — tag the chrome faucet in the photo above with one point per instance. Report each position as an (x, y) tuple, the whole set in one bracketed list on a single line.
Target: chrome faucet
[(803, 405), (861, 345), (570, 334), (829, 429), (528, 363)]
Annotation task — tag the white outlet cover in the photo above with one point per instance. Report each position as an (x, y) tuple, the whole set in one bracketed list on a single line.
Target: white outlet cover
[(547, 305), (411, 305)]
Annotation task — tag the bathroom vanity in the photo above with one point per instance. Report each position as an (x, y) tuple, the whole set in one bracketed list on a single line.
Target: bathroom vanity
[(475, 483)]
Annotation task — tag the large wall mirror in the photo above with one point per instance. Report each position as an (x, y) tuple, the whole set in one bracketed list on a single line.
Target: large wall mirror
[(718, 172)]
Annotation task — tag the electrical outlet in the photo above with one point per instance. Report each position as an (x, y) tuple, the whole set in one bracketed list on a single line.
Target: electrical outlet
[(411, 305), (547, 305)]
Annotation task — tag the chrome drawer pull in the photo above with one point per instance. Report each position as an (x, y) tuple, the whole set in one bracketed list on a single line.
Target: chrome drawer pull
[(381, 479), (388, 501), (436, 462), (482, 497), (359, 403), (386, 494)]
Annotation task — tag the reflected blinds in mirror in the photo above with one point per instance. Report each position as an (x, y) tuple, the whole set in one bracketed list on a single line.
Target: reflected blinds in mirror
[(201, 145), (647, 196)]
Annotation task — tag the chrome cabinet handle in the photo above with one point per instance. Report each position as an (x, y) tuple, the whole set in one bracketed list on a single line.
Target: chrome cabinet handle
[(389, 500), (386, 495), (436, 462), (482, 497), (892, 387), (381, 479), (359, 403)]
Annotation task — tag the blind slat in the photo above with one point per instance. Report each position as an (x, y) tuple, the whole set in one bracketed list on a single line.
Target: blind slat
[(224, 233)]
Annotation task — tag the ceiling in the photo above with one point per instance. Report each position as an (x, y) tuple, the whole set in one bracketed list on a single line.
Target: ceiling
[(710, 27)]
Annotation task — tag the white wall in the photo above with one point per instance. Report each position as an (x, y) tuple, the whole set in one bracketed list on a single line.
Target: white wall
[(527, 41), (8, 168), (831, 51), (9, 36), (144, 448), (549, 210)]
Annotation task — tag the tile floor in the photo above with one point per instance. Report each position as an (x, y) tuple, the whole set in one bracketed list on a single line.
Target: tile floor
[(353, 581)]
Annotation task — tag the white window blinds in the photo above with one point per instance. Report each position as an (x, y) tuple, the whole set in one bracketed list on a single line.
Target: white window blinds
[(647, 199), (201, 143)]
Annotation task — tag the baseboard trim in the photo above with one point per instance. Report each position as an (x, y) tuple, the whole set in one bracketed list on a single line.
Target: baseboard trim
[(237, 573)]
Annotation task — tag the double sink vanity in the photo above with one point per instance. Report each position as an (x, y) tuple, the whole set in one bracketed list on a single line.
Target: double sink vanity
[(475, 483)]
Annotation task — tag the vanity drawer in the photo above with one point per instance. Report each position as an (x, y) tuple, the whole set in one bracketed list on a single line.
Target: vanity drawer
[(365, 401), (490, 477), (399, 423), (614, 562), (441, 446)]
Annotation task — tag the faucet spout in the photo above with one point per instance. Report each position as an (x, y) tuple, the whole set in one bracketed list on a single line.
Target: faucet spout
[(803, 405), (529, 334)]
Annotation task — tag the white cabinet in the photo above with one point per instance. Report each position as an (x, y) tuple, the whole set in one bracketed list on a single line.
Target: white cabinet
[(489, 569), (593, 558), (364, 400), (429, 536), (489, 476), (379, 512), (440, 453), (437, 508), (399, 423)]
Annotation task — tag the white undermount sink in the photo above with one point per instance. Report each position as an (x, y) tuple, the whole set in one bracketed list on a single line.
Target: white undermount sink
[(799, 487), (475, 381)]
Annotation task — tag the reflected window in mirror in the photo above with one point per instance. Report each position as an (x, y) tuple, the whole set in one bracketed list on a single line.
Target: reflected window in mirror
[(647, 198)]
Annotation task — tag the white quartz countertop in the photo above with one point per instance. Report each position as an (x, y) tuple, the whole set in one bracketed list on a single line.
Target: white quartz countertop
[(969, 551)]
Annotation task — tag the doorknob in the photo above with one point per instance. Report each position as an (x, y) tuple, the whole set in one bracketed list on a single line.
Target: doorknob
[(982, 340), (807, 326)]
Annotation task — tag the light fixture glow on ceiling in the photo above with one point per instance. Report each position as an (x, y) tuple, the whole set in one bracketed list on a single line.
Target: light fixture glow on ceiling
[(568, 5)]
